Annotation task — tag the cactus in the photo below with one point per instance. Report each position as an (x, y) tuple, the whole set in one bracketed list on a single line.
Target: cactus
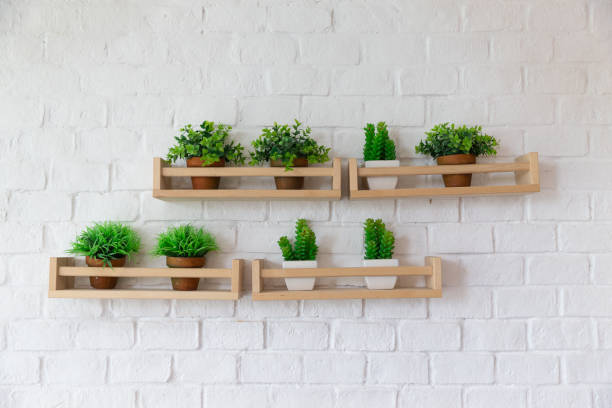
[(379, 242), (378, 145), (304, 248)]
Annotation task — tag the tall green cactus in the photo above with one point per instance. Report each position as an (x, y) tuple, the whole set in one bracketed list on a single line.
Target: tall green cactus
[(378, 145), (379, 242), (304, 248)]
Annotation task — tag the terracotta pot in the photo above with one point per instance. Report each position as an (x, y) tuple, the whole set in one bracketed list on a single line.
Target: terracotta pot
[(290, 183), (457, 180), (104, 282), (204, 183), (185, 262)]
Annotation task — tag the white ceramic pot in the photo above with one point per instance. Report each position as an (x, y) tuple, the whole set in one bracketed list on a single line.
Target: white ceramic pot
[(380, 282), (382, 183), (299, 283)]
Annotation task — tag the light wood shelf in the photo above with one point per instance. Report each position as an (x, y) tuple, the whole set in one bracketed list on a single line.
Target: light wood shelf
[(525, 169), (62, 273), (432, 271), (162, 174)]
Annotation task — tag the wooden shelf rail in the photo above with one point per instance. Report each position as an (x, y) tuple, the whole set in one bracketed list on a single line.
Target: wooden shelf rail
[(432, 271), (162, 186), (525, 169), (62, 273)]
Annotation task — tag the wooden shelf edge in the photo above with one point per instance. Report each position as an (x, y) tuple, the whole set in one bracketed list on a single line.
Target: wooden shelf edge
[(162, 174), (238, 194), (62, 274), (432, 271), (445, 191), (346, 293), (348, 272), (142, 294)]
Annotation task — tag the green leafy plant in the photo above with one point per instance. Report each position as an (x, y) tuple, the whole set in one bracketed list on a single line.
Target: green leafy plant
[(286, 143), (378, 145), (210, 142), (379, 242), (106, 241), (184, 241), (305, 247), (445, 139)]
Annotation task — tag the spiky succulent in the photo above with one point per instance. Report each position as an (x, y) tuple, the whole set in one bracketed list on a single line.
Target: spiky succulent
[(379, 242), (185, 241), (378, 145), (304, 248), (106, 241)]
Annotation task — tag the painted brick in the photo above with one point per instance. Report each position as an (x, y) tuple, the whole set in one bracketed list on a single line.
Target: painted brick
[(556, 334), (559, 205), (587, 301), (558, 269), (394, 368), (439, 397), (457, 368), (341, 368), (19, 368), (525, 238), (482, 335), (460, 238), (364, 336), (140, 367), (297, 335), (205, 367), (593, 367), (187, 396), (365, 397), (279, 368), (180, 335), (75, 368), (483, 397), (95, 334), (233, 335), (462, 302), (429, 336), (526, 302), (529, 369)]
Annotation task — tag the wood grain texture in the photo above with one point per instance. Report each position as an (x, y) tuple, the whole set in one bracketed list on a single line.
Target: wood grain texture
[(62, 274), (162, 175), (525, 169), (432, 272)]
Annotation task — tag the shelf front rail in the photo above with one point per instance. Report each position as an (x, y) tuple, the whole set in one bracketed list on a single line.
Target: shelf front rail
[(432, 271), (62, 273)]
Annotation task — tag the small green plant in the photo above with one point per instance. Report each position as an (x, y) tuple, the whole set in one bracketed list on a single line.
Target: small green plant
[(106, 241), (379, 242), (445, 139), (305, 247), (210, 143), (378, 145), (184, 241), (286, 143)]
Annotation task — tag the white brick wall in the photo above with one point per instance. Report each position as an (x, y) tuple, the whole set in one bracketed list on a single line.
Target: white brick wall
[(92, 90)]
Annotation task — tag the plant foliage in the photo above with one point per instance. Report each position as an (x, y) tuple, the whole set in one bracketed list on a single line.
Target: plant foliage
[(379, 242), (210, 142), (378, 145), (286, 143), (305, 247), (106, 241), (445, 139), (185, 241)]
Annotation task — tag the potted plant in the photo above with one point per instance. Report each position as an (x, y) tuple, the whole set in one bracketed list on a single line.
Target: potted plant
[(185, 246), (379, 151), (379, 244), (288, 146), (106, 244), (451, 145), (206, 147), (302, 254)]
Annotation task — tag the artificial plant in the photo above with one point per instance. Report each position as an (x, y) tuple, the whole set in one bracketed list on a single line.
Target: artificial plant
[(379, 242), (378, 145), (446, 139), (106, 241), (184, 241), (304, 248), (209, 142), (286, 143)]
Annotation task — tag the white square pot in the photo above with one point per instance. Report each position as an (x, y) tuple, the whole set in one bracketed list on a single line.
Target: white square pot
[(382, 183), (299, 283), (380, 282)]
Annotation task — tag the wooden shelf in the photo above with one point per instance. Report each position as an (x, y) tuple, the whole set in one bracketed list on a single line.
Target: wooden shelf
[(432, 271), (162, 185), (62, 273), (525, 169)]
